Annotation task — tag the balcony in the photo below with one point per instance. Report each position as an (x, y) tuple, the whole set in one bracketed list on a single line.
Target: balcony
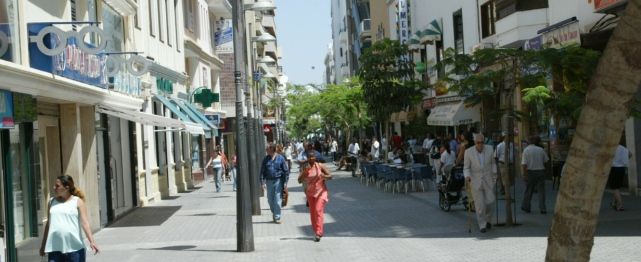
[(513, 29), (366, 29), (220, 8)]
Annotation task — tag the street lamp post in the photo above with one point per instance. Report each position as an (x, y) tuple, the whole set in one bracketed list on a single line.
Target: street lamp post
[(244, 227)]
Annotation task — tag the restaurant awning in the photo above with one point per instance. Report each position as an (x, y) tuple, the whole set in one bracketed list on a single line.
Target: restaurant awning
[(190, 125), (454, 114)]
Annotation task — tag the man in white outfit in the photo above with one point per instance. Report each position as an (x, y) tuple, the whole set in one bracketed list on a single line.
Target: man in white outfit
[(375, 149), (479, 169)]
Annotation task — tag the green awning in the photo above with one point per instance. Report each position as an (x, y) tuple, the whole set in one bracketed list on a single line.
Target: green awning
[(191, 125), (193, 116), (172, 107), (202, 117)]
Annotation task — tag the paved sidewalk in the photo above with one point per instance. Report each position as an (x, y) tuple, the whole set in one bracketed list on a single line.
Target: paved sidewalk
[(362, 224)]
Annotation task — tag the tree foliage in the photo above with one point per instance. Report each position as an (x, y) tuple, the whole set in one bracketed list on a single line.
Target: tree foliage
[(485, 73), (337, 107), (388, 79)]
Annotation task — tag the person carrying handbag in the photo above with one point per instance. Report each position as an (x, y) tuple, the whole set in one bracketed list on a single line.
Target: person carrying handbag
[(317, 195)]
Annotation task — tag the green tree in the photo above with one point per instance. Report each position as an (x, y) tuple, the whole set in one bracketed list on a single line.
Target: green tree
[(488, 73), (388, 80), (343, 107), (336, 107)]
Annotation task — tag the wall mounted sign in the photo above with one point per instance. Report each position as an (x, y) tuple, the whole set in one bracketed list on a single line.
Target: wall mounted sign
[(164, 85), (66, 53)]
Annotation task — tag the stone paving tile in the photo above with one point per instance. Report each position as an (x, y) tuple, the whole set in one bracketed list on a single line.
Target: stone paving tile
[(362, 224)]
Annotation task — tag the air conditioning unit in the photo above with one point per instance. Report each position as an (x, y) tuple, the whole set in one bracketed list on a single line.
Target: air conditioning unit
[(482, 45)]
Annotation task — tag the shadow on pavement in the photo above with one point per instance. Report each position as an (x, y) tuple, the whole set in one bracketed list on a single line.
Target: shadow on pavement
[(170, 197), (147, 216), (185, 248), (200, 215), (298, 238)]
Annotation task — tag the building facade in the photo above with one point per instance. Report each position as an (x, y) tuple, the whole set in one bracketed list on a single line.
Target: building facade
[(107, 98)]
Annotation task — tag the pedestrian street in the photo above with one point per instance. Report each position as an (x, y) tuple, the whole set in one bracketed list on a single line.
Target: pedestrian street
[(361, 224)]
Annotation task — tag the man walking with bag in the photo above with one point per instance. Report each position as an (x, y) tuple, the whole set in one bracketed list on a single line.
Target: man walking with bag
[(479, 169), (274, 175)]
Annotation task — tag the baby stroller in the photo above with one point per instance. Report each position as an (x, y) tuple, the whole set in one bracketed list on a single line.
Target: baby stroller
[(449, 189)]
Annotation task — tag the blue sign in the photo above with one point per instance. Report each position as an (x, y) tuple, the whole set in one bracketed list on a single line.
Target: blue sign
[(6, 40), (224, 36), (72, 62), (257, 76), (6, 109), (214, 119)]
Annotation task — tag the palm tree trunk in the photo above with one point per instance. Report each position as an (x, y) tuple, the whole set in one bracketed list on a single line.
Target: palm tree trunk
[(600, 125)]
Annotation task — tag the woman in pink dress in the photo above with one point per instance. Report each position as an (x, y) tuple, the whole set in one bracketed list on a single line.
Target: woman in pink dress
[(315, 176)]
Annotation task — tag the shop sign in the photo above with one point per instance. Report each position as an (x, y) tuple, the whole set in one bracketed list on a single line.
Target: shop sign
[(563, 36), (206, 97), (6, 109), (403, 24), (66, 53), (164, 85)]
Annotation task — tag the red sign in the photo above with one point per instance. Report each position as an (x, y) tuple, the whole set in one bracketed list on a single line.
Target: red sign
[(603, 4), (267, 128)]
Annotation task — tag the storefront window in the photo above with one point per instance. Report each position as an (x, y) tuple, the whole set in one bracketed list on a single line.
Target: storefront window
[(9, 46), (19, 207), (195, 152)]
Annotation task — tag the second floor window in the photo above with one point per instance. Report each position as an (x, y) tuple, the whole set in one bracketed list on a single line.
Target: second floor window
[(488, 18)]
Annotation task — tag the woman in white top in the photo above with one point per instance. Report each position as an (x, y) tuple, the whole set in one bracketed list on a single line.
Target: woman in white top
[(218, 162), (447, 159), (67, 220), (616, 178)]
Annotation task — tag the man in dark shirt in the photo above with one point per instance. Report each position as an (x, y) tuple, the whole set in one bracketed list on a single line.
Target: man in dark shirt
[(274, 175)]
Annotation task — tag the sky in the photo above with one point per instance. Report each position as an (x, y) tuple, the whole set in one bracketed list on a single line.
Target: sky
[(303, 32)]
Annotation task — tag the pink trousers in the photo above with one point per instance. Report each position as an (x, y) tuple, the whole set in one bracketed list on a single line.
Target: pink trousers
[(317, 213)]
